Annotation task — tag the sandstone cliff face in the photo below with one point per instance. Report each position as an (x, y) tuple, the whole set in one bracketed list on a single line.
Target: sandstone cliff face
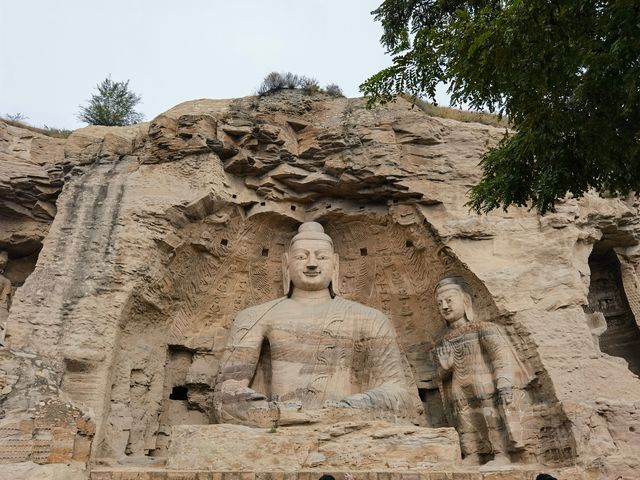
[(31, 171), (154, 236)]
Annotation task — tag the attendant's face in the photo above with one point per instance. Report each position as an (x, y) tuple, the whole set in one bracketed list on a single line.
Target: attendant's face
[(311, 264), (450, 299)]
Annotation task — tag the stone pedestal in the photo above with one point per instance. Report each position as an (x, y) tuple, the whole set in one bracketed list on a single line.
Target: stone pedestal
[(345, 446)]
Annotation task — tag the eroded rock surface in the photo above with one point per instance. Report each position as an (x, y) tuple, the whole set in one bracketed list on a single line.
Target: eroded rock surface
[(345, 446), (155, 236)]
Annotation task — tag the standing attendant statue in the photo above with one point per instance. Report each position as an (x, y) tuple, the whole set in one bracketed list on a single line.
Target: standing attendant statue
[(478, 374)]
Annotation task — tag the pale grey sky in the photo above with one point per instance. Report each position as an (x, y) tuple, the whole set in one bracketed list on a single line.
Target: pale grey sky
[(53, 53)]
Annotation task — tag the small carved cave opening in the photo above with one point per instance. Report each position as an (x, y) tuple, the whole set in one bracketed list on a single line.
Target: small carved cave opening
[(176, 409), (423, 394), (363, 252), (179, 393), (607, 296), (76, 366)]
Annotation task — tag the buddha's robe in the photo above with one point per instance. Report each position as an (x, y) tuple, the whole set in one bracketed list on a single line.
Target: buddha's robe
[(338, 351)]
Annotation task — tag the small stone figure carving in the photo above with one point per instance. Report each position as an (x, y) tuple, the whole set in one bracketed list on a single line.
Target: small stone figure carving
[(478, 372), (312, 356)]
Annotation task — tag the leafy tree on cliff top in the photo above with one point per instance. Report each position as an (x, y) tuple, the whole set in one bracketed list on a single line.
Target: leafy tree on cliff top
[(565, 72), (113, 105)]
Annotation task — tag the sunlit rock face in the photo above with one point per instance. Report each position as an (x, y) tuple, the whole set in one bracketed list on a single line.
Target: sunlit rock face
[(131, 250)]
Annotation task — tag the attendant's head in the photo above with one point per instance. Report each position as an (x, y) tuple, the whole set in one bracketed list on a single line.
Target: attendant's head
[(454, 300), (311, 263)]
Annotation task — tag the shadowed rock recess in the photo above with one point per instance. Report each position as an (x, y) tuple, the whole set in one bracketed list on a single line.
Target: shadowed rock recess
[(126, 253)]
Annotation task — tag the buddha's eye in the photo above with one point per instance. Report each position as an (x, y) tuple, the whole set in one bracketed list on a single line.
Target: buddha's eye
[(300, 256)]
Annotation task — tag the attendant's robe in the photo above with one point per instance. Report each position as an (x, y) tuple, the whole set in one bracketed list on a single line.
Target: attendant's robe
[(482, 356)]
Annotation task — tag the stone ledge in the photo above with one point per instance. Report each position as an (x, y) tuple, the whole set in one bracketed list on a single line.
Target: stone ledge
[(343, 446), (512, 474)]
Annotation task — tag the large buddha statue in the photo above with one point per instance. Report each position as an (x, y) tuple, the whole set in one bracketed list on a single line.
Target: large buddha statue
[(312, 356)]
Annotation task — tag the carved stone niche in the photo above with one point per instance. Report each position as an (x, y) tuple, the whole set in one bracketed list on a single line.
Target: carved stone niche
[(220, 260), (608, 299)]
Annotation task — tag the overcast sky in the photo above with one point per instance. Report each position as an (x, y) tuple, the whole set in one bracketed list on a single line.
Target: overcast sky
[(53, 53)]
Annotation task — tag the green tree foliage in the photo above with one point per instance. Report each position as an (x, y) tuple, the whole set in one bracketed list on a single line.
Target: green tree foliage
[(565, 72), (113, 105)]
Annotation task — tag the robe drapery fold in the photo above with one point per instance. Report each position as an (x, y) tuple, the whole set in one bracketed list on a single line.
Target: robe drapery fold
[(338, 351)]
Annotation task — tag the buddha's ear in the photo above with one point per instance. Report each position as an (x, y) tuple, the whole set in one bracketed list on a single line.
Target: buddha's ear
[(286, 279), (334, 287), (468, 306)]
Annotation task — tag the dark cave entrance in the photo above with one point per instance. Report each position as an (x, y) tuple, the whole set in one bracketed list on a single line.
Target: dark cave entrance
[(607, 295)]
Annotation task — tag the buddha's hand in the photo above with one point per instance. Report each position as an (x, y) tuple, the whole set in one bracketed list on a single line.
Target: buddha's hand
[(236, 403), (505, 391), (335, 404), (234, 391), (359, 400), (445, 355), (291, 413)]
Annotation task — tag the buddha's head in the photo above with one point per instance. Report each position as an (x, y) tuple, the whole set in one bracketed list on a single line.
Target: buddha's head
[(454, 300), (311, 264)]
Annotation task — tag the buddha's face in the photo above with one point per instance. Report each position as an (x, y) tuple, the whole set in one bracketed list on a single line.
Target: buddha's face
[(450, 299), (311, 264)]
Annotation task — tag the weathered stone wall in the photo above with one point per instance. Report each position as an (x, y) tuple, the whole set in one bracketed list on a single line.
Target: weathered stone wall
[(165, 230)]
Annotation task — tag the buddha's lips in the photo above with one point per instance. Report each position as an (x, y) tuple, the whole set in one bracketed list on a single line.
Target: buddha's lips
[(313, 273)]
